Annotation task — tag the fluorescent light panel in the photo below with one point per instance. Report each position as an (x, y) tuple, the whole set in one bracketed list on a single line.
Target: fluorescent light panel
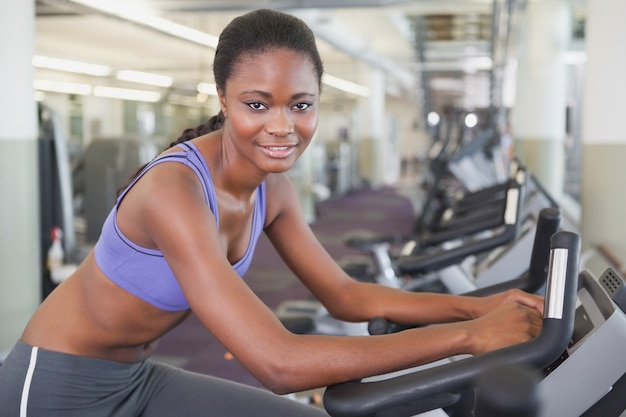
[(101, 71), (126, 94), (70, 66), (144, 78), (346, 86), (98, 91), (62, 87), (172, 28), (144, 17), (207, 88)]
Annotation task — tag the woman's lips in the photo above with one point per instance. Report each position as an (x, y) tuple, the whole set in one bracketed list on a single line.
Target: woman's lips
[(278, 152)]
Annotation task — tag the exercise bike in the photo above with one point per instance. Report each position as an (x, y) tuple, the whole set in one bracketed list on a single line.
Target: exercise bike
[(575, 367)]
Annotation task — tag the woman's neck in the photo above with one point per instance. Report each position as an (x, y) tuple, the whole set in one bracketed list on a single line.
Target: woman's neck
[(231, 173)]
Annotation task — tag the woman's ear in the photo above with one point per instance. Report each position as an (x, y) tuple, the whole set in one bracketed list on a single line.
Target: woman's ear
[(222, 99)]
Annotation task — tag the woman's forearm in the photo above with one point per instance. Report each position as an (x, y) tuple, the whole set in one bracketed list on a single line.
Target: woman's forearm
[(312, 361), (364, 301)]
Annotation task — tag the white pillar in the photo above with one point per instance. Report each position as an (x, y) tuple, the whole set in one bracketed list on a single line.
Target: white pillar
[(373, 128), (19, 208), (603, 199), (539, 114)]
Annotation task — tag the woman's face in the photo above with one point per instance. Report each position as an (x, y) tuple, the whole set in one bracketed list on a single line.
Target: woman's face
[(271, 108)]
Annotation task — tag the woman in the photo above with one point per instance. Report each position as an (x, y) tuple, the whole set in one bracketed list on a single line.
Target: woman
[(181, 235)]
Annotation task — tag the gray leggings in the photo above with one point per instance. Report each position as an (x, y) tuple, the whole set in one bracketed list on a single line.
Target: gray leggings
[(35, 383)]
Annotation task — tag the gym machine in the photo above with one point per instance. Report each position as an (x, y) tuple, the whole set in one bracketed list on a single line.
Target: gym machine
[(310, 316), (580, 372), (432, 251)]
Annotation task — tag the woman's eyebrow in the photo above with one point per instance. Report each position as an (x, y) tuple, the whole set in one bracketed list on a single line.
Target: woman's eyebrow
[(302, 95), (269, 95)]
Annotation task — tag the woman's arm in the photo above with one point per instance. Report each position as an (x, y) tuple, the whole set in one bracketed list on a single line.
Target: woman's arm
[(351, 300), (179, 223)]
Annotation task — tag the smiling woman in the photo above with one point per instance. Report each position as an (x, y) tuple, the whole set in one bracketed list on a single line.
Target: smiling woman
[(278, 116), (181, 235)]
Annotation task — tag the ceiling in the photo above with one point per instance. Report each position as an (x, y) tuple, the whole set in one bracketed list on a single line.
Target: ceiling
[(436, 51)]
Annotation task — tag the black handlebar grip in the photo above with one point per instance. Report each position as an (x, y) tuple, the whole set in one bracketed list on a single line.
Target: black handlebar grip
[(378, 326), (548, 224)]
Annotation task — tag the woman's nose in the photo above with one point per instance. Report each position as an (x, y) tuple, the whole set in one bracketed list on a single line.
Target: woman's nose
[(280, 124)]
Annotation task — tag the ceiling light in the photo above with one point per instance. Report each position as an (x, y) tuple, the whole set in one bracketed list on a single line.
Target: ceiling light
[(126, 94), (471, 120), (433, 118), (346, 86), (142, 16), (62, 87), (207, 88), (144, 78), (70, 66), (174, 29)]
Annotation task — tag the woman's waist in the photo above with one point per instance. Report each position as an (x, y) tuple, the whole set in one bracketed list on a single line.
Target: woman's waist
[(89, 315), (109, 350), (68, 360)]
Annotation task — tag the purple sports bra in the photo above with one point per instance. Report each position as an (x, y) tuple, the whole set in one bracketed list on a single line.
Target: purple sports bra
[(144, 272)]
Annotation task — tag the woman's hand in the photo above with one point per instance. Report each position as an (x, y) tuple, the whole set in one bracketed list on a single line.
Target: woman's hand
[(510, 323), (481, 306)]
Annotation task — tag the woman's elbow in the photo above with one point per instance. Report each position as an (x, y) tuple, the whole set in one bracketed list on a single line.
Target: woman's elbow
[(281, 379), (281, 389), (351, 306)]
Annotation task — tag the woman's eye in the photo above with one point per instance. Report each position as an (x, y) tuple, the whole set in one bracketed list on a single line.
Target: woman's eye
[(256, 106), (302, 106)]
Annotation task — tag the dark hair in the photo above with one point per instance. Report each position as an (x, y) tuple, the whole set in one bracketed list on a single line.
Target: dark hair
[(252, 33)]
